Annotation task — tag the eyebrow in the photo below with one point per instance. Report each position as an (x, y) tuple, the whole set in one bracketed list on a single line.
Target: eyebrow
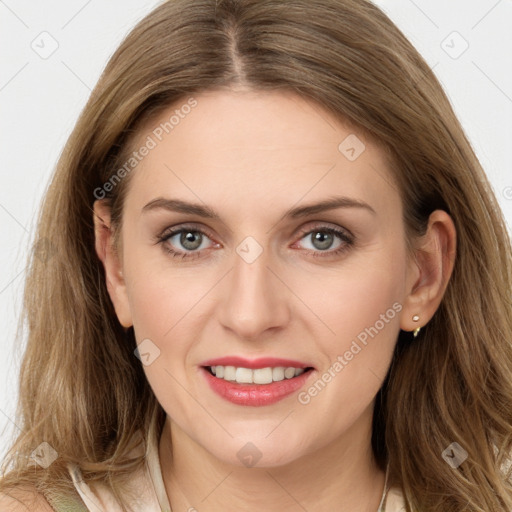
[(179, 206), (201, 210)]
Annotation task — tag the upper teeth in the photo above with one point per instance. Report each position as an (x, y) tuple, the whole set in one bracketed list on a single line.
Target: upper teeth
[(259, 376)]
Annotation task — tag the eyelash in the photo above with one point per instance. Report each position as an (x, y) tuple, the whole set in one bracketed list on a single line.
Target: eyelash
[(344, 236)]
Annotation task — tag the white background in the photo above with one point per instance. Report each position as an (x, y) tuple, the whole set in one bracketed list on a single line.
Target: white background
[(40, 100)]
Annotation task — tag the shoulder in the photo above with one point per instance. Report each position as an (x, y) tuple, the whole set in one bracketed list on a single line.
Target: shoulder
[(394, 501), (23, 501)]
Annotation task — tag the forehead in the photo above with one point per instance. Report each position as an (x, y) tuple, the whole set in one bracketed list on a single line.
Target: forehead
[(242, 147)]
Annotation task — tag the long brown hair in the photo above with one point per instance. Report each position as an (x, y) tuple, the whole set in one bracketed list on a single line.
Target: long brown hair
[(83, 391)]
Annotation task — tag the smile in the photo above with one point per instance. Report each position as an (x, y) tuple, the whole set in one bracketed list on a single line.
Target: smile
[(259, 376), (255, 383)]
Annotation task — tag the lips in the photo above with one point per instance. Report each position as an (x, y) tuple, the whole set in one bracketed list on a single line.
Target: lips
[(262, 362), (257, 382)]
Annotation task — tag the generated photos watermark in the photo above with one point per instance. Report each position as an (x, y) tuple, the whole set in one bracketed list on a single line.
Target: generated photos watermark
[(357, 345), (151, 142)]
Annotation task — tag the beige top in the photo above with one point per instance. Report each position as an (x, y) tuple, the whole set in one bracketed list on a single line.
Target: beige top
[(151, 489), (147, 484)]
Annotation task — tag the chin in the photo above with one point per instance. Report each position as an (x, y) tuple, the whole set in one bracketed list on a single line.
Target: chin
[(260, 450)]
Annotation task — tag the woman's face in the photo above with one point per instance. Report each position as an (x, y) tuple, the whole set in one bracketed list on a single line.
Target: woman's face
[(260, 233)]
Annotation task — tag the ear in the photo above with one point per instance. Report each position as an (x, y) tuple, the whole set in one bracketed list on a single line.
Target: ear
[(111, 262), (429, 271)]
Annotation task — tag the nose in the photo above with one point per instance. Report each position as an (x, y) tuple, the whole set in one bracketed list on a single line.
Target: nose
[(254, 300)]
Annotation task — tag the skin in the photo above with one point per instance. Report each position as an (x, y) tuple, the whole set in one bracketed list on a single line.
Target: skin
[(251, 156)]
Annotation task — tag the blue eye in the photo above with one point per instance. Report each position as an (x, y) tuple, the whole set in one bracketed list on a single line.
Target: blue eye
[(189, 242), (327, 241), (323, 240)]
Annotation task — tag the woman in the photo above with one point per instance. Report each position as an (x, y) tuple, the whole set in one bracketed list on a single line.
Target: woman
[(280, 281)]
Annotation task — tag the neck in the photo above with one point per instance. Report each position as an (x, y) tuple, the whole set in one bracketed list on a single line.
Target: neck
[(341, 476)]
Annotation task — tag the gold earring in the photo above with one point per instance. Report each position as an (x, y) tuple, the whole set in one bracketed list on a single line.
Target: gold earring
[(416, 318)]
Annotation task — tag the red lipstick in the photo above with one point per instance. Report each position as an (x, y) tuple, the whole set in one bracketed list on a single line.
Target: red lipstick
[(254, 364), (255, 395)]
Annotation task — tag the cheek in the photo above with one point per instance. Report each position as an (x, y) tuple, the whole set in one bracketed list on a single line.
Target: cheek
[(360, 310), (153, 308), (162, 306), (355, 297), (165, 303), (159, 296), (362, 300)]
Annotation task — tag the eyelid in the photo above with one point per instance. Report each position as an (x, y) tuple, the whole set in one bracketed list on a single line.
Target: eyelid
[(344, 234), (302, 231), (326, 226), (191, 226)]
